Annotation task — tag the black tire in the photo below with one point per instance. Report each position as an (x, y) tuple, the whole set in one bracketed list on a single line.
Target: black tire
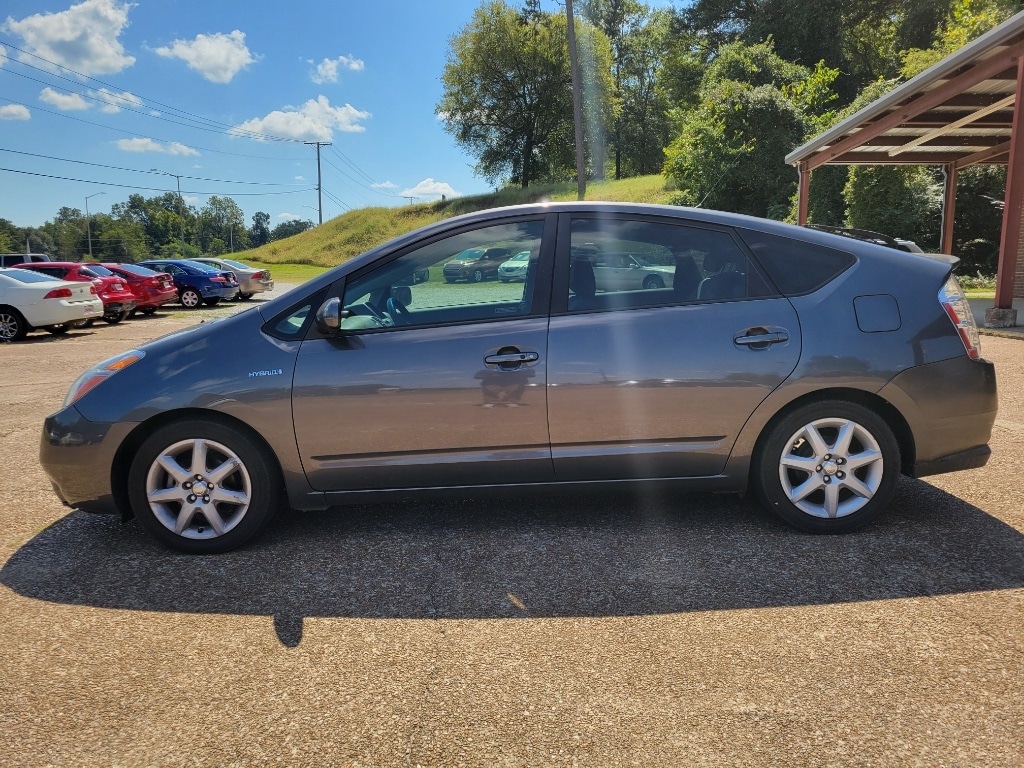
[(503, 279), (211, 302), (12, 325), (133, 313), (58, 330), (190, 298), (477, 276), (244, 296), (148, 310), (120, 317), (449, 279), (653, 281), (802, 467), (240, 502)]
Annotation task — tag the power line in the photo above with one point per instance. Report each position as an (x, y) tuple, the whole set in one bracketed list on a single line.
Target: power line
[(139, 135), (139, 170), (158, 189)]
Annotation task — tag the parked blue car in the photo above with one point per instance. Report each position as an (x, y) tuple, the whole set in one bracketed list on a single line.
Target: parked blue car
[(196, 283)]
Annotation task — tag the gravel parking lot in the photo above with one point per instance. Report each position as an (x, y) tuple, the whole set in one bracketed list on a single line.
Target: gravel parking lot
[(598, 631)]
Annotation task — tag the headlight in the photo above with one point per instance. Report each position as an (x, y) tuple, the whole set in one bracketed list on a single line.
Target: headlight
[(100, 373)]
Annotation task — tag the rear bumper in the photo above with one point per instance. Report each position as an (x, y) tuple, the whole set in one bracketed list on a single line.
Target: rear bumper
[(950, 408)]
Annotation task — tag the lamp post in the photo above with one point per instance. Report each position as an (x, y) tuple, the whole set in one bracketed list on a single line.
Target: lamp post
[(181, 206), (88, 221)]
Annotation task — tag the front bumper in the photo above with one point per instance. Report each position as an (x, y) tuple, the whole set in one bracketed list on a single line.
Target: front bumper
[(78, 456)]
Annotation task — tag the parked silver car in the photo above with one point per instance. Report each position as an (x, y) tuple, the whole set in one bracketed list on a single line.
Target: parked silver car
[(809, 368), (626, 272), (251, 280)]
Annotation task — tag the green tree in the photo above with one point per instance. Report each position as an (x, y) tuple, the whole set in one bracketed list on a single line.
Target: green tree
[(12, 238), (507, 95), (729, 152), (898, 200), (289, 228), (259, 232)]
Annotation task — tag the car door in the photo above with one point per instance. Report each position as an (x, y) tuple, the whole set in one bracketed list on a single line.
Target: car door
[(431, 383), (656, 383)]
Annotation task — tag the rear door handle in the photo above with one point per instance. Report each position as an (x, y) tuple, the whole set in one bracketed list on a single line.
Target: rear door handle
[(761, 340), (512, 357)]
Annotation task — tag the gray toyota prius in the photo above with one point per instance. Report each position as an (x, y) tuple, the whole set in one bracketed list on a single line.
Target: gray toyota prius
[(810, 368)]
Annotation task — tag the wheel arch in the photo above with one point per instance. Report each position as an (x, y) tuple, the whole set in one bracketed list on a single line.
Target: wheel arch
[(879, 405), (131, 444)]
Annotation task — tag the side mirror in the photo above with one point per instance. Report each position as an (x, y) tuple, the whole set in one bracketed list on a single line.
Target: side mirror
[(330, 315)]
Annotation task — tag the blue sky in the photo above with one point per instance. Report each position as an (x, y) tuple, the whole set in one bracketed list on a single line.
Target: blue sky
[(208, 90)]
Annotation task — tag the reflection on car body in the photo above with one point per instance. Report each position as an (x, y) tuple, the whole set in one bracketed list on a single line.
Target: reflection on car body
[(808, 368)]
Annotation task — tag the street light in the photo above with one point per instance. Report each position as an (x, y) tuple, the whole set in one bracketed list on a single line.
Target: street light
[(88, 224), (181, 206)]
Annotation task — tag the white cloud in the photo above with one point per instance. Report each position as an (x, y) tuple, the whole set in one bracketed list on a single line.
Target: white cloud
[(149, 145), (217, 57), (66, 102), (14, 112), (3, 55), (83, 38), (384, 185), (316, 120), (300, 178), (430, 188), (288, 216), (114, 101), (327, 70)]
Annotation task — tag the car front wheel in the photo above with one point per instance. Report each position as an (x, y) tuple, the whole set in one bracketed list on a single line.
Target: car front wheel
[(203, 487), (477, 276), (190, 298), (828, 467)]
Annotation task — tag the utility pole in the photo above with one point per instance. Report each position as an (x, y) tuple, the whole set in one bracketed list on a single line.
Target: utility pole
[(181, 206), (319, 187), (88, 221), (577, 106)]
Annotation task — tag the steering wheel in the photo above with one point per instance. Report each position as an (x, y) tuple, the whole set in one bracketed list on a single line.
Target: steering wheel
[(398, 311)]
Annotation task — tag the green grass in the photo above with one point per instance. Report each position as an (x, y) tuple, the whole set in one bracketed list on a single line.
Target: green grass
[(342, 238)]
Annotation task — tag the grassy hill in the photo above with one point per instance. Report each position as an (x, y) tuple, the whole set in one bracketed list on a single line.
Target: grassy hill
[(350, 234)]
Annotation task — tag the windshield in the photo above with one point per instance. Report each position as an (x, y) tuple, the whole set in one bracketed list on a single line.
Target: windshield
[(135, 269), (97, 271), (471, 254)]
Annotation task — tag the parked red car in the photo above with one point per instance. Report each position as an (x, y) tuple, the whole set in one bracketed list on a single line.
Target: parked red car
[(118, 300), (152, 289)]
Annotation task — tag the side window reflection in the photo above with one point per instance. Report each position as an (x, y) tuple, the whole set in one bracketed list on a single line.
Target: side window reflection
[(621, 263), (482, 274)]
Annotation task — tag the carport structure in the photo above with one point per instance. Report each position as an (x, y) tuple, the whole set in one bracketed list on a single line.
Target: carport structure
[(962, 111)]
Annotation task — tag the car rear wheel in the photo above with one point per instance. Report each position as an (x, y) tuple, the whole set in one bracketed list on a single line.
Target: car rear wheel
[(148, 310), (120, 317), (203, 487), (828, 467), (449, 279), (12, 325), (244, 296), (211, 302), (190, 298), (653, 282), (58, 330)]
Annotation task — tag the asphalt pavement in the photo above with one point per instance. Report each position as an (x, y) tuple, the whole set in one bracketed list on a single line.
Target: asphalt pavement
[(602, 630)]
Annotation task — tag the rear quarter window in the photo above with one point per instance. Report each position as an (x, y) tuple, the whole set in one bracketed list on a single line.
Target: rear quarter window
[(796, 267)]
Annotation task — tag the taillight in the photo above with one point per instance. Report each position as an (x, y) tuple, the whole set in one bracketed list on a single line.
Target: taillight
[(953, 300), (59, 293), (260, 276), (217, 280), (93, 290)]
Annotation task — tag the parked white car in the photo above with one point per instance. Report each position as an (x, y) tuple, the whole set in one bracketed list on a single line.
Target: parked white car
[(31, 300)]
